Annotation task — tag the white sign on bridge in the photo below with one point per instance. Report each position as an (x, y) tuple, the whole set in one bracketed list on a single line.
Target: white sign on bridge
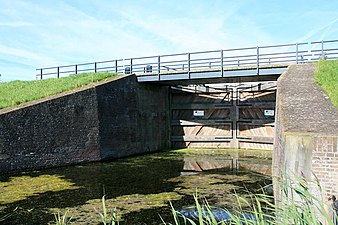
[(198, 112), (269, 112)]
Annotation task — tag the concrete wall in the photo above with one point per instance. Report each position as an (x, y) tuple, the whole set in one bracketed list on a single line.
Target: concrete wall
[(306, 131), (111, 119)]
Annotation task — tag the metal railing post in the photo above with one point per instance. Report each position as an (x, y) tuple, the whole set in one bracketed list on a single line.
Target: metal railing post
[(75, 69), (222, 66), (189, 65), (41, 74), (159, 67), (95, 67), (58, 72), (115, 66), (257, 60), (296, 53), (131, 66)]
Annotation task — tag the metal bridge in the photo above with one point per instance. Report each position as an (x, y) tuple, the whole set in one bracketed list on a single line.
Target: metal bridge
[(217, 99), (260, 61)]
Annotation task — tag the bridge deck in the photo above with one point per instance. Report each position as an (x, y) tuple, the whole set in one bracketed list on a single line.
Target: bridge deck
[(229, 74)]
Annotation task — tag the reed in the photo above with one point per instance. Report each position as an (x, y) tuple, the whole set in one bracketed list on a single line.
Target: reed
[(108, 217), (299, 207), (62, 219)]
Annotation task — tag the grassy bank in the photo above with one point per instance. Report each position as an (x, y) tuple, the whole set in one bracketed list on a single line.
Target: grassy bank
[(17, 92), (327, 77)]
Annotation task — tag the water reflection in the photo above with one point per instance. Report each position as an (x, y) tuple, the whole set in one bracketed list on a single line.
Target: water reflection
[(139, 188)]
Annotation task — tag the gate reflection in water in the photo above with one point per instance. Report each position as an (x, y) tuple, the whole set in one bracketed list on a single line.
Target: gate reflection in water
[(140, 188)]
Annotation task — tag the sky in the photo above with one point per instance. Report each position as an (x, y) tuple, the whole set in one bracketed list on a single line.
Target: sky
[(44, 33)]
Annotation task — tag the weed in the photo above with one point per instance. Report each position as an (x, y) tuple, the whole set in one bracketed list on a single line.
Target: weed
[(108, 218), (62, 219)]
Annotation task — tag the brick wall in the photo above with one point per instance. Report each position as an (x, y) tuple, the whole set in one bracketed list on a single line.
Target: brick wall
[(111, 119), (325, 162), (54, 132)]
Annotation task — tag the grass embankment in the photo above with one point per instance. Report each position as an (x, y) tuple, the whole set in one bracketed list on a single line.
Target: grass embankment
[(327, 77), (18, 92)]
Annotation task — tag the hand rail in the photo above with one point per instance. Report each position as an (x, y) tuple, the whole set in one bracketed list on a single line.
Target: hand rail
[(216, 59)]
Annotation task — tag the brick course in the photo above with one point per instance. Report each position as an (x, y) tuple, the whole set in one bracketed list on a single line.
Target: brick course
[(111, 119)]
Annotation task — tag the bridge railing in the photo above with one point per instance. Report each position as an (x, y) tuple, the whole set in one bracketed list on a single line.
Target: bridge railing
[(205, 60)]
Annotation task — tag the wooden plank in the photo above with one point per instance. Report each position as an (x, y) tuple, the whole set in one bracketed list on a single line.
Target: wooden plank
[(265, 104), (199, 122), (209, 144), (248, 130), (189, 98), (251, 145), (265, 87), (201, 105), (187, 114), (253, 113), (216, 130), (265, 122), (201, 138), (199, 89), (257, 139)]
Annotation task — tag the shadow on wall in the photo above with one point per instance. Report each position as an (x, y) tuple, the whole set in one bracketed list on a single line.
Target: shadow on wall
[(118, 118), (205, 116)]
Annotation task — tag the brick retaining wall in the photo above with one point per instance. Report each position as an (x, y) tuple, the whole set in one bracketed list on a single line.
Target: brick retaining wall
[(325, 162), (110, 119)]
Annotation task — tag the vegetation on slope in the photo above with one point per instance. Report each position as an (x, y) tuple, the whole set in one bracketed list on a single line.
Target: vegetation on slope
[(327, 77), (17, 92)]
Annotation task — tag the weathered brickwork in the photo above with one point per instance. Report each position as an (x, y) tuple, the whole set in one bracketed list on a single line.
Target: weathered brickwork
[(111, 119), (52, 133), (325, 162)]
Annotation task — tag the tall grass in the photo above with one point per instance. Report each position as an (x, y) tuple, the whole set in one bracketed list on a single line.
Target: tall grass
[(5, 217), (17, 92), (298, 207), (108, 217), (327, 77), (62, 219)]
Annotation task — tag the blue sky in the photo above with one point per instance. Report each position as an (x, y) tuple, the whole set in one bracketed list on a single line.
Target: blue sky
[(42, 33)]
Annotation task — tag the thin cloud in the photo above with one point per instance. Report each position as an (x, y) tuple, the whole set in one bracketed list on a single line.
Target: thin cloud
[(28, 57), (15, 24), (326, 28)]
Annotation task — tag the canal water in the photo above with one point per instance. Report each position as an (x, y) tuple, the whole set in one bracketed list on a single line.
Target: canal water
[(138, 188)]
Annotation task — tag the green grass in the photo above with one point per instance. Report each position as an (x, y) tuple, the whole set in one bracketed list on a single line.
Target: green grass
[(327, 77), (299, 206), (18, 92)]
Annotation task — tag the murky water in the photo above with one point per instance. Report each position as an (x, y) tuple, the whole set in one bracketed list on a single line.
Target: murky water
[(140, 188)]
